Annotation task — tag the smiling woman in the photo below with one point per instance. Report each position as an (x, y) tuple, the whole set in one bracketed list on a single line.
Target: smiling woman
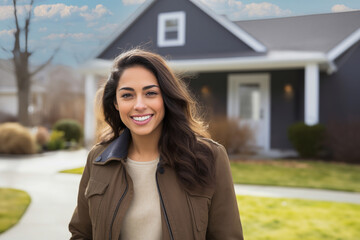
[(154, 173)]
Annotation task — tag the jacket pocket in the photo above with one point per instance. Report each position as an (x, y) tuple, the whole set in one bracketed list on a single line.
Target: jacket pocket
[(95, 188), (199, 206), (94, 194)]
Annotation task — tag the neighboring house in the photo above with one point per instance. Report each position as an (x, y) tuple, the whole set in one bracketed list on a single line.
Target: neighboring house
[(268, 73), (56, 92), (8, 92)]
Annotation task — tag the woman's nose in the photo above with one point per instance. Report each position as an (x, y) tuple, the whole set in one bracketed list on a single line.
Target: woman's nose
[(140, 104)]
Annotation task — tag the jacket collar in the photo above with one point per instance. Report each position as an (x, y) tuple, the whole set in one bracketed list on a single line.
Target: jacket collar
[(117, 149)]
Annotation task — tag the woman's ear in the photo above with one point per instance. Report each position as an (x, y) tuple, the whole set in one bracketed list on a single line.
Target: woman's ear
[(116, 106)]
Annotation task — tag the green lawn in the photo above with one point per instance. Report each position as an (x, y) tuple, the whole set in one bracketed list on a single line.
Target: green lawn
[(309, 174), (74, 171), (13, 204), (281, 218), (291, 173)]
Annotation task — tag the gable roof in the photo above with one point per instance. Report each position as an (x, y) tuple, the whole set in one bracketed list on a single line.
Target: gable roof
[(233, 28), (243, 36), (290, 42), (318, 33)]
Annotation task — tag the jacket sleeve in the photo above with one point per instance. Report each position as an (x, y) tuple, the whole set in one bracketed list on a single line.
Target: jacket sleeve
[(80, 225), (224, 219)]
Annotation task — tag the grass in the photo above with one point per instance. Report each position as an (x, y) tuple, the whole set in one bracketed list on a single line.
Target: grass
[(308, 174), (280, 218), (74, 170), (13, 204)]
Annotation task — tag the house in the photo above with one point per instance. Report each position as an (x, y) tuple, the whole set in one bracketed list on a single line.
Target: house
[(8, 93), (57, 92), (268, 73)]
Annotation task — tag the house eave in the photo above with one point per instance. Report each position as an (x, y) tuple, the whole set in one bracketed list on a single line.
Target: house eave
[(123, 26), (272, 60), (344, 45), (233, 28)]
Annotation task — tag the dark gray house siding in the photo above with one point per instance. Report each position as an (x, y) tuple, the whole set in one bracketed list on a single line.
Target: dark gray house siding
[(215, 103), (215, 39), (339, 92), (285, 110)]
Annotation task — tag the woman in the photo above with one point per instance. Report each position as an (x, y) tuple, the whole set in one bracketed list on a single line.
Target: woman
[(155, 175)]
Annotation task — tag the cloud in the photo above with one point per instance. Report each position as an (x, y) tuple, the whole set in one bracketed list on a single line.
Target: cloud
[(57, 10), (235, 9), (75, 36), (263, 9), (341, 8), (4, 33), (95, 13), (132, 2), (7, 12), (108, 27), (61, 10)]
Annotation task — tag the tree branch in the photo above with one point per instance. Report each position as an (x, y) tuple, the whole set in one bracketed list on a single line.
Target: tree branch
[(42, 66), (27, 24), (17, 32)]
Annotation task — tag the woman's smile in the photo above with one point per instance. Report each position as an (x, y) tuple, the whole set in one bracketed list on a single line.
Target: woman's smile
[(142, 119)]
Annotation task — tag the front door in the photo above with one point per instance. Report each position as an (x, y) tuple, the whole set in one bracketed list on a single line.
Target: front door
[(249, 102)]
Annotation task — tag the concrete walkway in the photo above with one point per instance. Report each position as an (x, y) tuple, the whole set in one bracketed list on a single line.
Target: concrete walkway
[(53, 194)]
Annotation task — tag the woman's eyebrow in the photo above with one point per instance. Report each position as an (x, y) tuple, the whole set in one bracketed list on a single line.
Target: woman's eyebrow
[(150, 86), (144, 88), (126, 88)]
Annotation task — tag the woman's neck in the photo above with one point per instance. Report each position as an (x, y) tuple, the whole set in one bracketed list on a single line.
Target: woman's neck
[(144, 148)]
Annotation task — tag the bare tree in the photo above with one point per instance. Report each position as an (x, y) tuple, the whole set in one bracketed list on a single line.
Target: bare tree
[(20, 57)]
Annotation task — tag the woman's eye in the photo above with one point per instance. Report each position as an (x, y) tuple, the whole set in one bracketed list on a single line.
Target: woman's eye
[(126, 95), (151, 93)]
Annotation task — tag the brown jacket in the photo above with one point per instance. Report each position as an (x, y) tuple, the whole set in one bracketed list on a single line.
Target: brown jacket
[(106, 191)]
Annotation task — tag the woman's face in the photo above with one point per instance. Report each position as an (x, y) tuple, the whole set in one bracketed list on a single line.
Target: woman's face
[(139, 102)]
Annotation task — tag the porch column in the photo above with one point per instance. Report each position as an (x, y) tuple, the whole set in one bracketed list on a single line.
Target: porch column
[(90, 91), (311, 94)]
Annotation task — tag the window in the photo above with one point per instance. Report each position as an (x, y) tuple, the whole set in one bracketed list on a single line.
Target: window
[(171, 29)]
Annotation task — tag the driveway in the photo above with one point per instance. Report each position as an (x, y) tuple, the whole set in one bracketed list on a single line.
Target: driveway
[(53, 194)]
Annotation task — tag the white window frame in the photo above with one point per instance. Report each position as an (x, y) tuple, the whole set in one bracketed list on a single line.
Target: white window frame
[(162, 18)]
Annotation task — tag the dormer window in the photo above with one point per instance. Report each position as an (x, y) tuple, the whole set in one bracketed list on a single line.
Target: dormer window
[(171, 29)]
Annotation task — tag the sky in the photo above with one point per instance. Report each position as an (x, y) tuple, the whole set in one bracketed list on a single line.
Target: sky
[(80, 28)]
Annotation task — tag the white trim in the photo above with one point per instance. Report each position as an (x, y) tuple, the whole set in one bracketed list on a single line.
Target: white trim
[(344, 45), (273, 60), (233, 28), (89, 125), (312, 94), (122, 27), (161, 29), (232, 98), (8, 90), (96, 66)]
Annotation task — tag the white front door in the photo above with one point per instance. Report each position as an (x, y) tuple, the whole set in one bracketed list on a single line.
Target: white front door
[(249, 102)]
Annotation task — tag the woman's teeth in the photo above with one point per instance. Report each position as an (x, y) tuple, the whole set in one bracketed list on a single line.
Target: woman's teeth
[(140, 119)]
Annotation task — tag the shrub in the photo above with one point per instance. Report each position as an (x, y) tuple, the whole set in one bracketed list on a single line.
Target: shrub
[(16, 139), (42, 136), (234, 137), (57, 141), (72, 129), (307, 140), (343, 140)]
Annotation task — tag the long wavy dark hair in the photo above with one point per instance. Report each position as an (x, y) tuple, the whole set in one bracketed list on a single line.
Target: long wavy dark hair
[(182, 144)]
